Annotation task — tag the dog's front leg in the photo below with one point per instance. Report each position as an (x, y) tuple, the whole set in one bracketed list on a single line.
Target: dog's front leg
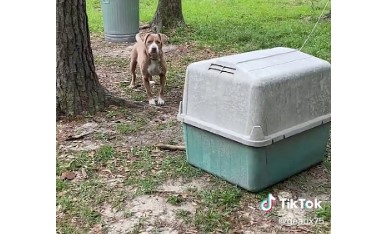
[(146, 82), (134, 57), (162, 85), (132, 83)]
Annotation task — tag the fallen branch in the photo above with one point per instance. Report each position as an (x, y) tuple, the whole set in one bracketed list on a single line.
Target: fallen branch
[(170, 147), (79, 136)]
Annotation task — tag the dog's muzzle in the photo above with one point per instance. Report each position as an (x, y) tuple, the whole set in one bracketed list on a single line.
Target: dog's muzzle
[(153, 49)]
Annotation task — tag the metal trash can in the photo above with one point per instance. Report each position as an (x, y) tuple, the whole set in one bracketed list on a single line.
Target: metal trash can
[(256, 118), (121, 20)]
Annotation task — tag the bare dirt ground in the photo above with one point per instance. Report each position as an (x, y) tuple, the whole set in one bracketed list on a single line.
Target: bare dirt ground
[(166, 195)]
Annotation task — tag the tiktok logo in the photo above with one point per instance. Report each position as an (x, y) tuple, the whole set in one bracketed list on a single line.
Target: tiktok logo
[(267, 204)]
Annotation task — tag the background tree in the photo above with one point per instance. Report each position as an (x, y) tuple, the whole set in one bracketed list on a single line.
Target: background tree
[(168, 15), (78, 90)]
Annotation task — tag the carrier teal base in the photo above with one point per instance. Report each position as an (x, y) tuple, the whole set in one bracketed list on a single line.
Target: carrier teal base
[(255, 168)]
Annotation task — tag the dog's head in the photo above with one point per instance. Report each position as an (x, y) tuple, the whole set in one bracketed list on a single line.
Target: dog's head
[(154, 42)]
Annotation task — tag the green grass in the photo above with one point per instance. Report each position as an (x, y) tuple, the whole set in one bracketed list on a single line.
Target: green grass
[(79, 204), (95, 18), (242, 25), (167, 125), (134, 94), (102, 136), (112, 63), (61, 185), (175, 200), (175, 166), (324, 212), (105, 154), (135, 121), (226, 197), (80, 160), (116, 112), (147, 172), (183, 214), (263, 194), (81, 201), (125, 128), (216, 208)]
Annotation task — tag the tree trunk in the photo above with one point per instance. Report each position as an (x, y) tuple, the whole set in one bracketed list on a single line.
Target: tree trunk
[(168, 15), (77, 86), (78, 90)]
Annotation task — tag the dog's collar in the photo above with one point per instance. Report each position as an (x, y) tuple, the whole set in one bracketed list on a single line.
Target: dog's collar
[(156, 58)]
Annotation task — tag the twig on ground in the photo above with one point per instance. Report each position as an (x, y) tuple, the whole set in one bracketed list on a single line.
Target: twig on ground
[(170, 147)]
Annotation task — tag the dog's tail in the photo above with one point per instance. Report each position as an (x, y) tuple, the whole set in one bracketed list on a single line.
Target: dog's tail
[(138, 38)]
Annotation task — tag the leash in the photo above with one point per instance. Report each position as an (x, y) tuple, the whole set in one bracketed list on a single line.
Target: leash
[(319, 18)]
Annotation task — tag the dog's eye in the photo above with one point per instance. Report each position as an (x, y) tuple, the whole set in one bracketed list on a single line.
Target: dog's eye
[(157, 42), (149, 42)]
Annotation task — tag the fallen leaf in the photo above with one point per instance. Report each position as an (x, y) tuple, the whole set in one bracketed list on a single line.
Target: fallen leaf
[(106, 170), (96, 229), (68, 175), (84, 173), (156, 150)]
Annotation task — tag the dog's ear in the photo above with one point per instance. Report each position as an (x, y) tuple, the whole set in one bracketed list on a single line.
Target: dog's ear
[(141, 37), (163, 38), (145, 37)]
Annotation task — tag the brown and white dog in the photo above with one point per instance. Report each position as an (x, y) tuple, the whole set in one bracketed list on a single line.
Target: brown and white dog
[(148, 54)]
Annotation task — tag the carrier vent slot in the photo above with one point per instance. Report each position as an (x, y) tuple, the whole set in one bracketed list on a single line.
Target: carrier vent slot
[(220, 68)]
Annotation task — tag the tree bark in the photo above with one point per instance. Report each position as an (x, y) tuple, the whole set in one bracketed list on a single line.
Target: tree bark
[(78, 90), (77, 86), (168, 15)]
